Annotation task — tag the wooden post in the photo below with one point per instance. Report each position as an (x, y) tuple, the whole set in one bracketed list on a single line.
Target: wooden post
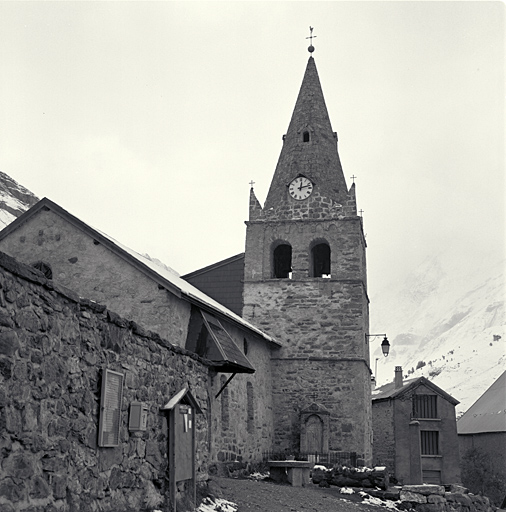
[(172, 459)]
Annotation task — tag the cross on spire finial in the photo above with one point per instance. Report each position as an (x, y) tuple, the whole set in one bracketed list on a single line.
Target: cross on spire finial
[(353, 178), (311, 47), (251, 183)]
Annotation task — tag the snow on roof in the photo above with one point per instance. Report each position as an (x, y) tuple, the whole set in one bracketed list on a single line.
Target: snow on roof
[(186, 288), (488, 413)]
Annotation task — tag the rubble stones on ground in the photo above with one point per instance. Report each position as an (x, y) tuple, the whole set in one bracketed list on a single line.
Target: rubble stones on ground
[(351, 477)]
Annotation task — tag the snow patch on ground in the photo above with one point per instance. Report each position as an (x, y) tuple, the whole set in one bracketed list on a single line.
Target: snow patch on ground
[(216, 505), (258, 476), (371, 500)]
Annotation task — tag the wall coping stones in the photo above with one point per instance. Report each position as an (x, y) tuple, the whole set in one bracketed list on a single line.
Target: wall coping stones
[(425, 489)]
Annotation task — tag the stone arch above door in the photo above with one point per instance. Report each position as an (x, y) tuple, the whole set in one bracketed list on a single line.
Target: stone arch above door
[(314, 429)]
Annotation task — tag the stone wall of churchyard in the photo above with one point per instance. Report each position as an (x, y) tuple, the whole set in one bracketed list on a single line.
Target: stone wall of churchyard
[(53, 349), (435, 498)]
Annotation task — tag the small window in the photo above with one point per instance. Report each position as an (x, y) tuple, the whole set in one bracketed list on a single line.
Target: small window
[(282, 261), (425, 406), (321, 260), (305, 136), (429, 441), (245, 346)]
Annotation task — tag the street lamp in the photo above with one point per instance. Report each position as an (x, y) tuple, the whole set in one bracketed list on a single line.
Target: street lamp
[(385, 345)]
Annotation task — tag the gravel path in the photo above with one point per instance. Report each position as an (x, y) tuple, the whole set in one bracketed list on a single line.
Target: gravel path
[(265, 496)]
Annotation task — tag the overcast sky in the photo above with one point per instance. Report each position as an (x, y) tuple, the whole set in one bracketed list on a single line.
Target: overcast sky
[(149, 120)]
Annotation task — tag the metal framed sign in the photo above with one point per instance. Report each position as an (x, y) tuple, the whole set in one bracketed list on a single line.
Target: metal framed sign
[(110, 408)]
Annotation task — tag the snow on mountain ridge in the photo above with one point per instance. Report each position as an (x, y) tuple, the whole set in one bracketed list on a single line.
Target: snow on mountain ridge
[(455, 336), (14, 199)]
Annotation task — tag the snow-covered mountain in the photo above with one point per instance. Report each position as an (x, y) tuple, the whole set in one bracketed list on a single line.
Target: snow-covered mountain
[(14, 199), (447, 322)]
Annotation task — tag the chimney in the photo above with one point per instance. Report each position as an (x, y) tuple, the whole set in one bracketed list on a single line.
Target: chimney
[(398, 377)]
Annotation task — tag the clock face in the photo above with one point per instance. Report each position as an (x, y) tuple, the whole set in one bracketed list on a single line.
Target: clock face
[(300, 188)]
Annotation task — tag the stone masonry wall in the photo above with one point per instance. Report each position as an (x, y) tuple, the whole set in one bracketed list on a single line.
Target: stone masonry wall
[(313, 317), (383, 435), (434, 498), (246, 403), (53, 348)]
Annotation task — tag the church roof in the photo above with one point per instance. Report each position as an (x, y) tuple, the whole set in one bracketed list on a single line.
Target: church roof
[(161, 275), (315, 157), (488, 413)]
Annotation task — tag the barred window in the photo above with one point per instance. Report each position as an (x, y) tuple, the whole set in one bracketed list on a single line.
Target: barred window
[(429, 442), (425, 406), (251, 408), (224, 404)]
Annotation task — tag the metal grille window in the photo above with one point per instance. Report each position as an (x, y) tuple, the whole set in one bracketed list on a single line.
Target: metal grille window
[(429, 440), (425, 406)]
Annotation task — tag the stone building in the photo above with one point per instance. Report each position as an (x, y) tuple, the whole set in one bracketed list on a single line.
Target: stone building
[(305, 283), (97, 267), (415, 431)]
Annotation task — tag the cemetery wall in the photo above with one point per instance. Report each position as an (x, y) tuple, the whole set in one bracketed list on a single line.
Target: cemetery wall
[(54, 348)]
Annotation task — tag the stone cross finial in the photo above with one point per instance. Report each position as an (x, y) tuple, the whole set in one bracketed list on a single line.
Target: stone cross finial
[(251, 183), (353, 178)]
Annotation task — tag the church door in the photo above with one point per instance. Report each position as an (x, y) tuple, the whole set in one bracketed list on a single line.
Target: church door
[(314, 434)]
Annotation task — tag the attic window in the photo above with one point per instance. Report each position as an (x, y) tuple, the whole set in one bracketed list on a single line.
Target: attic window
[(305, 136), (44, 268), (425, 406), (320, 256), (282, 261)]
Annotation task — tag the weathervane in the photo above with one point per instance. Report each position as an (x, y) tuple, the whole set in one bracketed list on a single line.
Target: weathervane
[(311, 47)]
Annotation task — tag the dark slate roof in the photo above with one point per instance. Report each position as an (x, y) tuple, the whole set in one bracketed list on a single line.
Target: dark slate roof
[(388, 391), (488, 413), (223, 281)]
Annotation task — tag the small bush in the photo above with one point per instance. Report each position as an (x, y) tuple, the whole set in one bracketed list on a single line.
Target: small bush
[(480, 476)]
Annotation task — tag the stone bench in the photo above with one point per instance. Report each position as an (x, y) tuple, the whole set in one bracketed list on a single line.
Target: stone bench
[(294, 471)]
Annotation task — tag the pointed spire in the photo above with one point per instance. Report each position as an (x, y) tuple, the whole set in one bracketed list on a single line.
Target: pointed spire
[(309, 147), (255, 208)]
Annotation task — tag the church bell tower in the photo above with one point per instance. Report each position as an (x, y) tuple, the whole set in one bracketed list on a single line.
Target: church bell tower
[(305, 284)]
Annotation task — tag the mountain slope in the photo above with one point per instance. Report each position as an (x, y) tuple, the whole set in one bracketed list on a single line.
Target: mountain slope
[(14, 199), (447, 323)]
